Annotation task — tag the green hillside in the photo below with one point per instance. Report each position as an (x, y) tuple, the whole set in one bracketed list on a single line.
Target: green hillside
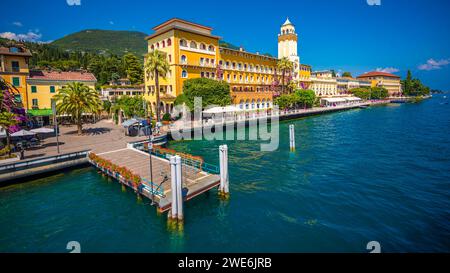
[(104, 41)]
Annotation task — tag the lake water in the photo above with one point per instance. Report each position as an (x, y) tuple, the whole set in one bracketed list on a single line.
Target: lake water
[(377, 174)]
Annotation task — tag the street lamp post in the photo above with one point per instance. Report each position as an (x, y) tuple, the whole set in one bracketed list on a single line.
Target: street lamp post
[(150, 147), (55, 123)]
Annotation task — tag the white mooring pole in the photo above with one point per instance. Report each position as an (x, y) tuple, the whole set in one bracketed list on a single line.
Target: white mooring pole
[(173, 175), (179, 188), (292, 137), (224, 188)]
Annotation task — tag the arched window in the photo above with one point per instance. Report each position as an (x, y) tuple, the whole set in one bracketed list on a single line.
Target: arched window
[(157, 45), (202, 46), (184, 74), (163, 43), (247, 104), (253, 104), (153, 47), (193, 44), (169, 42), (211, 48), (183, 43), (183, 59)]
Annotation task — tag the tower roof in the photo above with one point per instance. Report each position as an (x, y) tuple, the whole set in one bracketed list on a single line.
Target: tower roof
[(287, 22)]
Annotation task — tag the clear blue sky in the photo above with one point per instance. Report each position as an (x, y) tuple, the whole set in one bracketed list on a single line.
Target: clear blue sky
[(345, 35)]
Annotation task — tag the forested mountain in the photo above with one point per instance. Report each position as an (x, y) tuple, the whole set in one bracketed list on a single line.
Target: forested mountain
[(104, 42)]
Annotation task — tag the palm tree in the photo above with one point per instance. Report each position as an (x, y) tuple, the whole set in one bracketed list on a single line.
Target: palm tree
[(156, 65), (76, 99), (284, 65), (8, 119)]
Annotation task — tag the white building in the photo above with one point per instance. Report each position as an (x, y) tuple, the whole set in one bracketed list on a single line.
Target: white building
[(323, 83), (287, 46)]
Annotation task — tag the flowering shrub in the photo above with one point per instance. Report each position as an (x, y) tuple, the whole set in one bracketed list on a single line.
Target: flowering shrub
[(128, 175)]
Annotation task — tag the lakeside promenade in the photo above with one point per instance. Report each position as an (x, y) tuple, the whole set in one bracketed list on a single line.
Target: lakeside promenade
[(105, 136)]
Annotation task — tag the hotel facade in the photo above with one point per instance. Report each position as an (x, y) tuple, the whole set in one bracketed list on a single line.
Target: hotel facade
[(194, 52), (386, 80)]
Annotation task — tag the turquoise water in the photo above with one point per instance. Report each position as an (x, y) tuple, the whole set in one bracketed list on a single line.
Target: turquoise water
[(378, 174)]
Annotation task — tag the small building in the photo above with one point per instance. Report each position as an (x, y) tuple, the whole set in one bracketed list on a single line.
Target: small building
[(43, 85), (305, 76), (340, 101), (323, 83), (386, 80), (123, 88)]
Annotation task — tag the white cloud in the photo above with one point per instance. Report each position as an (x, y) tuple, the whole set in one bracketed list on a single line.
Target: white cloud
[(111, 22), (17, 24), (73, 2), (434, 65), (30, 36), (388, 69)]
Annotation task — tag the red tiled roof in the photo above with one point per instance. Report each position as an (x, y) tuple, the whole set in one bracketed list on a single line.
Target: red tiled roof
[(378, 74), (20, 52), (61, 76)]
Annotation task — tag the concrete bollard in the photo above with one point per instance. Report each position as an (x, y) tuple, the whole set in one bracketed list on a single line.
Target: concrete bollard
[(292, 137), (179, 188), (173, 175), (224, 188)]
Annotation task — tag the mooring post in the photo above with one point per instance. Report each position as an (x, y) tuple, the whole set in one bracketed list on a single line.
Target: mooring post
[(179, 188), (292, 137), (173, 175), (223, 158)]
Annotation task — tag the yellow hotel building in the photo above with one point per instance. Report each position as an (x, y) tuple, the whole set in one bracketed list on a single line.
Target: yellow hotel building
[(193, 52)]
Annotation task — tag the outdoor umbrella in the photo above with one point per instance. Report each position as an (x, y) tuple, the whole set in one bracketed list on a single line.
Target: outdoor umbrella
[(42, 130), (23, 133)]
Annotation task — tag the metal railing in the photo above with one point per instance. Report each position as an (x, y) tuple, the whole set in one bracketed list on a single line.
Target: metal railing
[(191, 162), (42, 161)]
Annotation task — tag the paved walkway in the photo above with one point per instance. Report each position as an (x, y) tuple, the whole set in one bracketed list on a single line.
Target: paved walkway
[(100, 137)]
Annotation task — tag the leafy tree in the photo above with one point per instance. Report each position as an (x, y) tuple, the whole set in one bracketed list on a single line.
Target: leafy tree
[(305, 97), (285, 66), (211, 91), (133, 68), (362, 93), (286, 101), (414, 87), (378, 93), (77, 99), (157, 66), (107, 106), (347, 74), (131, 106), (7, 120)]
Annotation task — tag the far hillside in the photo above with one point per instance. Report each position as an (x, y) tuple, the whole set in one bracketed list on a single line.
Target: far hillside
[(104, 42)]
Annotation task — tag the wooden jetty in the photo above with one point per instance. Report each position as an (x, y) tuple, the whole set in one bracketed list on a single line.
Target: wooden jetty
[(195, 178)]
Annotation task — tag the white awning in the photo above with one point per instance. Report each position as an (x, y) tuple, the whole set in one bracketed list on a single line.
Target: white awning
[(352, 98), (226, 109), (22, 133), (332, 100), (43, 130)]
